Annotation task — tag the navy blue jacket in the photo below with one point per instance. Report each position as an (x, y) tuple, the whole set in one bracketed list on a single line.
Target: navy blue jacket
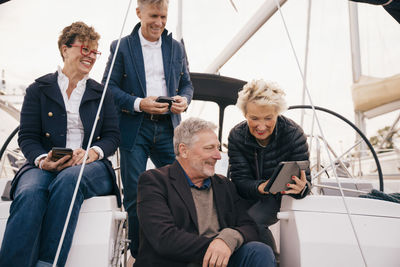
[(128, 80), (43, 123)]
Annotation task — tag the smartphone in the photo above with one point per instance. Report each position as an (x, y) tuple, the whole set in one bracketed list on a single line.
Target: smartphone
[(59, 152), (165, 99), (283, 175)]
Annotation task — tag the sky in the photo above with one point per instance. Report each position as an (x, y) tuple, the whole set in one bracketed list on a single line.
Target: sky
[(29, 32)]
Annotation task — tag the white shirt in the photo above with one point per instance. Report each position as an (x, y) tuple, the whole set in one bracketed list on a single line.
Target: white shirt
[(74, 124), (75, 131), (154, 69)]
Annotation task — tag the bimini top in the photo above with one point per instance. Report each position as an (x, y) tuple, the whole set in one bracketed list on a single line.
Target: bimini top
[(212, 87)]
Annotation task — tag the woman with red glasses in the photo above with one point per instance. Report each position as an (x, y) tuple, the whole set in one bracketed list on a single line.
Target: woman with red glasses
[(59, 110)]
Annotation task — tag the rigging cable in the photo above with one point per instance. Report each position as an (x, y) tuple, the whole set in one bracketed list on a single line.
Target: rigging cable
[(303, 97), (90, 141), (322, 134)]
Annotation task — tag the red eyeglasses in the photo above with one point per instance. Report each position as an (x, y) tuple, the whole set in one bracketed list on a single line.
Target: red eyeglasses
[(85, 51)]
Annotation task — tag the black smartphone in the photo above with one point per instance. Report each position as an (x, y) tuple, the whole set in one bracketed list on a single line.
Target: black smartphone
[(59, 152), (283, 175), (165, 99)]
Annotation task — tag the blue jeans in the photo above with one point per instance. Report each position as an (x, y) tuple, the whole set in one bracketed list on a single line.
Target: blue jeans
[(39, 210), (253, 254), (154, 140)]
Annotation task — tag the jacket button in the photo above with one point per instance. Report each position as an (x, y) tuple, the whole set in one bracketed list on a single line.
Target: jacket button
[(98, 137), (177, 90), (125, 75), (47, 135), (181, 73), (50, 114)]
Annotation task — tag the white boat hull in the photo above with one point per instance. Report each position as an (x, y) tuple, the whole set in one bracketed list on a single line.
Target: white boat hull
[(316, 231)]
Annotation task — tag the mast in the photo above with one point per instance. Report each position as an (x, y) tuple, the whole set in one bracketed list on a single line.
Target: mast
[(252, 26), (359, 117), (179, 31)]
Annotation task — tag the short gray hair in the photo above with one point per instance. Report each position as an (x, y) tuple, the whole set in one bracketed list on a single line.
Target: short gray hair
[(141, 3), (262, 93), (186, 132)]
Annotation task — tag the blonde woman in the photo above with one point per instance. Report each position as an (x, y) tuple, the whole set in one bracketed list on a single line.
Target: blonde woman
[(258, 144)]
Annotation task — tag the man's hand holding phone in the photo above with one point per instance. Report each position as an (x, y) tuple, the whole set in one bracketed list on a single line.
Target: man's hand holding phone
[(151, 106), (161, 104), (180, 104)]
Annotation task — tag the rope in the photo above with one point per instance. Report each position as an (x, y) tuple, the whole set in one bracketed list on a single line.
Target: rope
[(322, 134), (89, 144), (376, 194)]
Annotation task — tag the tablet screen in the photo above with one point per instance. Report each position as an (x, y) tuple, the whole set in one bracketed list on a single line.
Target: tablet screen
[(283, 175)]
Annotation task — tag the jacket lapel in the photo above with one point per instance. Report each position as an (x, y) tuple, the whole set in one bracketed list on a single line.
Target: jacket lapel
[(179, 182), (92, 91), (51, 89), (135, 49), (167, 55)]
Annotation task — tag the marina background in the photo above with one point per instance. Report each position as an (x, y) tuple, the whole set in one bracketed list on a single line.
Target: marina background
[(29, 32)]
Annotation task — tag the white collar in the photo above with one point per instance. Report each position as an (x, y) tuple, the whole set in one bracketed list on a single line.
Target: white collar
[(144, 42), (63, 80)]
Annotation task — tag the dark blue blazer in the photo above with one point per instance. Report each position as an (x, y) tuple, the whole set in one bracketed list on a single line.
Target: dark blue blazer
[(43, 123), (128, 80)]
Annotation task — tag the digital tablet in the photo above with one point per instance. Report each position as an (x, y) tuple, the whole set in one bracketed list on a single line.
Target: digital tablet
[(283, 175)]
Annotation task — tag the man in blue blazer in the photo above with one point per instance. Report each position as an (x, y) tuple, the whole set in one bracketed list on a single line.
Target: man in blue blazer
[(149, 64)]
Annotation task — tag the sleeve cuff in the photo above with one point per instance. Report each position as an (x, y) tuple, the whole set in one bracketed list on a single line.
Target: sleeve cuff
[(136, 104), (232, 238), (99, 151), (39, 158), (306, 189), (257, 184)]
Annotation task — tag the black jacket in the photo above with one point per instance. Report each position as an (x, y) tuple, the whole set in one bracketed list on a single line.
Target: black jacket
[(250, 164)]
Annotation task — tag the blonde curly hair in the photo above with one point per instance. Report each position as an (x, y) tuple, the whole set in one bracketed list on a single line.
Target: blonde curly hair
[(262, 93)]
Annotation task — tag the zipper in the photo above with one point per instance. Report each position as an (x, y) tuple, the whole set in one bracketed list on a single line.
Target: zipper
[(259, 171)]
